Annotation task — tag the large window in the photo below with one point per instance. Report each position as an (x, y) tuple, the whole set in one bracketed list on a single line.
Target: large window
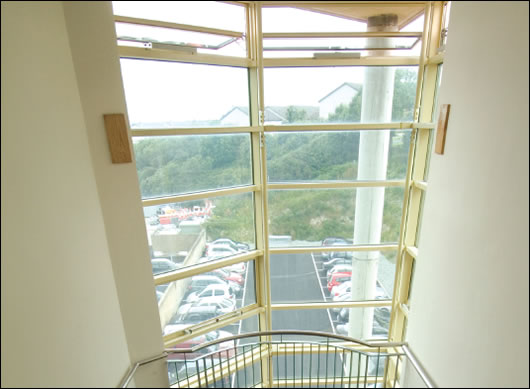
[(281, 156)]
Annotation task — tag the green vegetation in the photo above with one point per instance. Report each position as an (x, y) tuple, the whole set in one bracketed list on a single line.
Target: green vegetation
[(181, 164)]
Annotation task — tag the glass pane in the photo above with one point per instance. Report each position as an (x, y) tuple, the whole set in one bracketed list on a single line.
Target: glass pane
[(202, 230), (308, 47), (327, 156), (339, 94), (203, 297), (210, 14), (178, 95), (369, 322), (307, 217), (329, 277), (172, 165)]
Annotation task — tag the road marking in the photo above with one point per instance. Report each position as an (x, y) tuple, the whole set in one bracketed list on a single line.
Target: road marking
[(322, 291), (233, 379)]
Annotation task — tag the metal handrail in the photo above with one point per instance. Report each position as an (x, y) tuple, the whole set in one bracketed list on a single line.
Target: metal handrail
[(284, 332), (418, 367), (128, 377)]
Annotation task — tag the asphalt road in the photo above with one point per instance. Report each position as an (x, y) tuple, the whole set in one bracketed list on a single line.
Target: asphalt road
[(294, 278)]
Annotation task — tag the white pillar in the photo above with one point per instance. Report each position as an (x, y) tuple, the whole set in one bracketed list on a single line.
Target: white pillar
[(378, 89)]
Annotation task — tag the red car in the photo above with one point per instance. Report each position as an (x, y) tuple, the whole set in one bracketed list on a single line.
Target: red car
[(338, 278), (228, 276)]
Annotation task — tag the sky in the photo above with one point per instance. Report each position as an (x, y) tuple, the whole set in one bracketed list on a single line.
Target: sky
[(168, 91)]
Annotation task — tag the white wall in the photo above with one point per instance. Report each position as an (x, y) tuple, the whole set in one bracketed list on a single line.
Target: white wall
[(469, 307), (92, 37), (61, 321)]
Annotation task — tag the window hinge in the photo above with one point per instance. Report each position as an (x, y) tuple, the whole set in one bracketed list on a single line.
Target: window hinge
[(261, 118)]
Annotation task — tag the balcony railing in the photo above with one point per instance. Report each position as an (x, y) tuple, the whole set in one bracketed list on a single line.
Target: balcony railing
[(287, 359)]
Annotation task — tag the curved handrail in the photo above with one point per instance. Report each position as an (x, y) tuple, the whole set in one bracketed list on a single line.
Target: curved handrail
[(128, 377), (284, 332), (218, 352)]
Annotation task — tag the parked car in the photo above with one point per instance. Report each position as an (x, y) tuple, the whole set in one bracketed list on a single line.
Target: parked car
[(221, 250), (235, 245), (233, 279), (343, 267), (338, 278), (198, 283), (346, 296), (338, 290), (237, 267), (341, 254), (212, 290), (225, 305), (163, 265), (227, 276), (196, 315), (336, 261), (334, 241), (379, 326)]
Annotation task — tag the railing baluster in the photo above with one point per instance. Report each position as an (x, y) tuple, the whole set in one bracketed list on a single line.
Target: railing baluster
[(350, 371), (359, 355), (260, 364), (245, 366), (327, 358), (236, 377), (334, 366), (366, 371), (342, 368), (377, 364), (186, 366), (318, 367), (229, 372), (198, 372), (285, 359), (277, 365), (396, 371), (252, 361), (310, 362), (221, 368), (213, 371), (294, 365), (387, 366), (205, 372)]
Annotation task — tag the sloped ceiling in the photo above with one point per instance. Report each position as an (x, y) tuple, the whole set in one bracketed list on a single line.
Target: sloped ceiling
[(406, 11)]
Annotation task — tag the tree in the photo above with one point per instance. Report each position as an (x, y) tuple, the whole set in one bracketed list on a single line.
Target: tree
[(295, 114), (402, 103), (350, 113)]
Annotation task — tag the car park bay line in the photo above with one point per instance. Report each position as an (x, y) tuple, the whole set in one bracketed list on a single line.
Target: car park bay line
[(322, 290)]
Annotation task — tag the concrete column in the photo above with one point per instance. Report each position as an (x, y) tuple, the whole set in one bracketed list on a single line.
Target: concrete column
[(378, 89)]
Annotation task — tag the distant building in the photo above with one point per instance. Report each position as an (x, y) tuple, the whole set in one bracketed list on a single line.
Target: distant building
[(274, 115), (341, 95)]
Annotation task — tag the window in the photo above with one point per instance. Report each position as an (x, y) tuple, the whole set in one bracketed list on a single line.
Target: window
[(291, 177)]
